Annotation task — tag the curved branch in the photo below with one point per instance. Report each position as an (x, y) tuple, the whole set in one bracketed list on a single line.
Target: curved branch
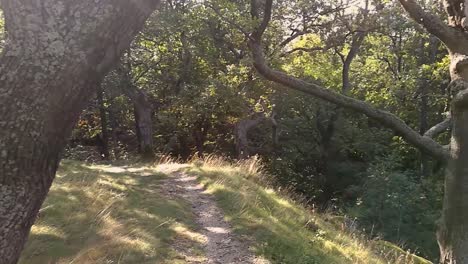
[(453, 38), (425, 144), (389, 120)]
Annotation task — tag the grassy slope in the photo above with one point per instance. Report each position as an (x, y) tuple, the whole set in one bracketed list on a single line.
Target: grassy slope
[(105, 214), (284, 231)]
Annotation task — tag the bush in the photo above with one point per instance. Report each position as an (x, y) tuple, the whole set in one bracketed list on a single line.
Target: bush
[(400, 207)]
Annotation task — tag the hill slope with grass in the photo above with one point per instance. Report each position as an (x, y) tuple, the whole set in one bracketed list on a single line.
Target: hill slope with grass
[(129, 214)]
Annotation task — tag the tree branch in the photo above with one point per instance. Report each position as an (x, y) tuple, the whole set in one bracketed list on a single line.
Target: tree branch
[(453, 38), (258, 32), (389, 120), (426, 144)]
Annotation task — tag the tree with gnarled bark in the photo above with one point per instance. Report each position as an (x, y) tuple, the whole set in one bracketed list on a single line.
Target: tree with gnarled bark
[(56, 53), (453, 227)]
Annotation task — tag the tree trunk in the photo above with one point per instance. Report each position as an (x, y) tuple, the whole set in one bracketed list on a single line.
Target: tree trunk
[(144, 126), (143, 112), (55, 54), (336, 121), (186, 59), (453, 227), (104, 131), (113, 124), (453, 230)]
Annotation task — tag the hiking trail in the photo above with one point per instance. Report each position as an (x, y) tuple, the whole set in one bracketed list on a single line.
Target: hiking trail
[(220, 244)]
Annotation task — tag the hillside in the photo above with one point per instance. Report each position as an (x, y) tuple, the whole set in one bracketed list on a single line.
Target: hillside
[(161, 214)]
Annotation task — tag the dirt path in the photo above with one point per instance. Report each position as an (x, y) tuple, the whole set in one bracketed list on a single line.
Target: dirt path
[(220, 245)]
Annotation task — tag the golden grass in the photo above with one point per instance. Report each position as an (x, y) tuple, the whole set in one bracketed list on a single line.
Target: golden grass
[(105, 214), (117, 214), (283, 230)]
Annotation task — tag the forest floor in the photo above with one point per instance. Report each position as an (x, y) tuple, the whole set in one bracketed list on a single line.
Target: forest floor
[(205, 212)]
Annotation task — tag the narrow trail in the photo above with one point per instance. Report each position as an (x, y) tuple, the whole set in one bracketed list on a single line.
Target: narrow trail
[(220, 245)]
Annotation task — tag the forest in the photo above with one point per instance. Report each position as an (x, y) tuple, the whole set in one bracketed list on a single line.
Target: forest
[(354, 108)]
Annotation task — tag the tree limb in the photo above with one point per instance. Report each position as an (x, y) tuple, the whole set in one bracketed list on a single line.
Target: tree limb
[(389, 120), (258, 32), (452, 37)]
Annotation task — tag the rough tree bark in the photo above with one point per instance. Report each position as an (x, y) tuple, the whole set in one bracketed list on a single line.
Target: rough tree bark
[(453, 228), (55, 55)]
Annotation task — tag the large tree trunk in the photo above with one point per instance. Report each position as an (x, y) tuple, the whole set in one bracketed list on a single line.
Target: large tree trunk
[(56, 53), (453, 227)]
